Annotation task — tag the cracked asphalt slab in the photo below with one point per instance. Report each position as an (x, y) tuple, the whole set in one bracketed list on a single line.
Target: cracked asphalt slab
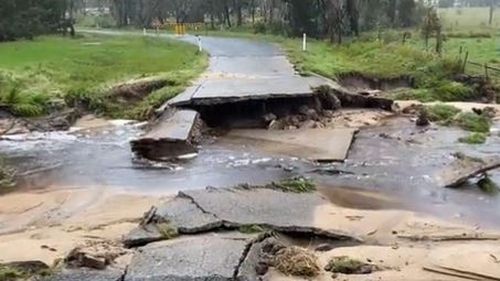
[(203, 257), (231, 208)]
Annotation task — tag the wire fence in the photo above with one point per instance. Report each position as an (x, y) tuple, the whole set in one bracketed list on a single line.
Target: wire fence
[(469, 66)]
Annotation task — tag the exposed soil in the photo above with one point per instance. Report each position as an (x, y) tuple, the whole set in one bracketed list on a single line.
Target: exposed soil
[(363, 84)]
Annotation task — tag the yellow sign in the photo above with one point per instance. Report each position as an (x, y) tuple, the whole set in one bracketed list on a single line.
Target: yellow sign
[(183, 28)]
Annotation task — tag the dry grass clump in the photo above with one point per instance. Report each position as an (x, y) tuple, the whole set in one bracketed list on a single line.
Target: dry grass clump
[(296, 261)]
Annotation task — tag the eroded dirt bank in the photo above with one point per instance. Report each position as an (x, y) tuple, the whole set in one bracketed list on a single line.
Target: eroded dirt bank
[(400, 244)]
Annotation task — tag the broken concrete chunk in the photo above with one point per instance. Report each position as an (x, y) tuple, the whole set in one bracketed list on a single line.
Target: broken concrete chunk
[(172, 135), (325, 145), (207, 257), (259, 206), (465, 168), (142, 235), (180, 214), (184, 215), (87, 275)]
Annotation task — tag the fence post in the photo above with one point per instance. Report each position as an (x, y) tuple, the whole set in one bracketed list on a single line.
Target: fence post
[(304, 42), (465, 61), (200, 46)]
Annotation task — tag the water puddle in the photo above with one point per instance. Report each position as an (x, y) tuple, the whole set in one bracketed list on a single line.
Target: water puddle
[(389, 167)]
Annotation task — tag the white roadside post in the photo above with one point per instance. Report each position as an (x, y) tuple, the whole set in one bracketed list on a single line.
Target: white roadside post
[(144, 31), (304, 43), (200, 46)]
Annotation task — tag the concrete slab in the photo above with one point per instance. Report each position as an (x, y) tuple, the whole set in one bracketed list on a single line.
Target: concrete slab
[(313, 144), (207, 257), (184, 215), (83, 274), (281, 211), (170, 136), (181, 214)]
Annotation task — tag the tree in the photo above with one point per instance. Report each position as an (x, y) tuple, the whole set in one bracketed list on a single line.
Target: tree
[(29, 18), (406, 12), (492, 10), (353, 14)]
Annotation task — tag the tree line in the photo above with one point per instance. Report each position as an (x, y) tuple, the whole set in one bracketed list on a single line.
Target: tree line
[(29, 18), (318, 18)]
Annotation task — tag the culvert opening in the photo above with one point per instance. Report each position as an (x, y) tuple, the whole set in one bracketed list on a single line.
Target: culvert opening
[(252, 114)]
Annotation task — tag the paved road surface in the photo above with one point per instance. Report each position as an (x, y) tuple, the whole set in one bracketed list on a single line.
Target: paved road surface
[(244, 69), (241, 69)]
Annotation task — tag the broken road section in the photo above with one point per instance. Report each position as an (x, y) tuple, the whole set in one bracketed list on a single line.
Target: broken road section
[(172, 135), (214, 209)]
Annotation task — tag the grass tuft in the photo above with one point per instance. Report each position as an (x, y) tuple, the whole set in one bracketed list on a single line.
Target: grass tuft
[(251, 229), (296, 261), (296, 185), (167, 231), (474, 138), (473, 122), (346, 265), (488, 186), (441, 112)]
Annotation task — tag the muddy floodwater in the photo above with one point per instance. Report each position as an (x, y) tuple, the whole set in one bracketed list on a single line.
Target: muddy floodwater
[(392, 166)]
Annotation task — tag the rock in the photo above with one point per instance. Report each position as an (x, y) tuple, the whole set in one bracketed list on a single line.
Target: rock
[(142, 235), (309, 124), (206, 257), (276, 125), (269, 117), (309, 113), (78, 258), (423, 119), (330, 101), (348, 99)]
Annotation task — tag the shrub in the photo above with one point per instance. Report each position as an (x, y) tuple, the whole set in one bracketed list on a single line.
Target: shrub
[(474, 138), (488, 185), (473, 122), (441, 112)]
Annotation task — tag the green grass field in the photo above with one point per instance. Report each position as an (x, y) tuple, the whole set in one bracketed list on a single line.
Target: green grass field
[(34, 72), (471, 19)]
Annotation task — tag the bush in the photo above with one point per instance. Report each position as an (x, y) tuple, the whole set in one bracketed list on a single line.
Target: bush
[(260, 27), (474, 138), (441, 112), (473, 122)]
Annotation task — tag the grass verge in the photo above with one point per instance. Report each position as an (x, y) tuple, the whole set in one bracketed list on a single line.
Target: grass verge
[(34, 74)]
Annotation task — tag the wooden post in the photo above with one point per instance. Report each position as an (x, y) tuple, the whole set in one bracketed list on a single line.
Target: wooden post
[(465, 61)]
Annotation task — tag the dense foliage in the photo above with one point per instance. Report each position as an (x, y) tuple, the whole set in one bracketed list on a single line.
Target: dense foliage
[(28, 18)]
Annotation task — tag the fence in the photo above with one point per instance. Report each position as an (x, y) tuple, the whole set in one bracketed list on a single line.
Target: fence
[(486, 69)]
